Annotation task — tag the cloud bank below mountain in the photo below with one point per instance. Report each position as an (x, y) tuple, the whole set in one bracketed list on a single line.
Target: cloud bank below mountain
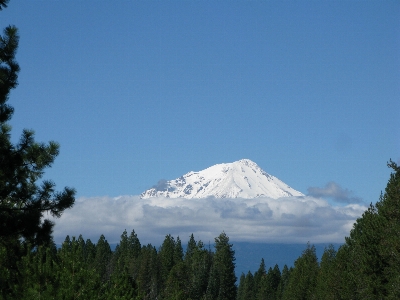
[(262, 220)]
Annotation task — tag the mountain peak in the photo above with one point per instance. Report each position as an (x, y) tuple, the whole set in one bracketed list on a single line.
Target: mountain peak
[(239, 179)]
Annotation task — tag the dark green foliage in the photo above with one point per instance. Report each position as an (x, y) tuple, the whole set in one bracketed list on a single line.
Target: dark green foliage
[(285, 277), (75, 276), (222, 280), (23, 201), (120, 286), (24, 198), (177, 284), (125, 258), (249, 291), (191, 248), (303, 278), (268, 286), (263, 285), (369, 262), (258, 276), (240, 291), (198, 261), (167, 257), (178, 251), (213, 283), (148, 279), (37, 269), (9, 68), (328, 281), (102, 259), (271, 283), (261, 272)]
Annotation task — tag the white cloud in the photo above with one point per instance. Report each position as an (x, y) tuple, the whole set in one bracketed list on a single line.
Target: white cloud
[(283, 220)]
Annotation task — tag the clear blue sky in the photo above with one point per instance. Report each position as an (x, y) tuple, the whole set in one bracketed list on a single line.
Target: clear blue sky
[(137, 91)]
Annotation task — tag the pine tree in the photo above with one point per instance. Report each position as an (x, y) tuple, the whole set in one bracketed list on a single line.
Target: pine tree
[(240, 290), (327, 281), (198, 261), (148, 280), (303, 278), (178, 251), (222, 281), (76, 277), (369, 261), (249, 291), (166, 255), (191, 248), (134, 248), (258, 276), (285, 276), (177, 284), (37, 274), (90, 253), (23, 200), (213, 283), (119, 286), (102, 259)]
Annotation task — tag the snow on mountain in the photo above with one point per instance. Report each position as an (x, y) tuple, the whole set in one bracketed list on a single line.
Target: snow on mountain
[(240, 179)]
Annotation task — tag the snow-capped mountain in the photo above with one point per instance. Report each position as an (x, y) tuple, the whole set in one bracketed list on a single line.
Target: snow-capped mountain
[(240, 179)]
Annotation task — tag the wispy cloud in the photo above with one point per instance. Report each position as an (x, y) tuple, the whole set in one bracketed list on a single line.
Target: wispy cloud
[(161, 185), (335, 192), (284, 220)]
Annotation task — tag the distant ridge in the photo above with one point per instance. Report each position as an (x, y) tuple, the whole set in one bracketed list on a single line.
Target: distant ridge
[(240, 179)]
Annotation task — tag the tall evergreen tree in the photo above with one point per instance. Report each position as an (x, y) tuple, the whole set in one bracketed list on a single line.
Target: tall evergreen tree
[(191, 248), (177, 284), (148, 279), (369, 261), (285, 276), (327, 281), (198, 261), (134, 248), (124, 253), (167, 258), (76, 277), (222, 281), (240, 290), (178, 251), (24, 200), (102, 259), (303, 278), (38, 274), (258, 276), (249, 291)]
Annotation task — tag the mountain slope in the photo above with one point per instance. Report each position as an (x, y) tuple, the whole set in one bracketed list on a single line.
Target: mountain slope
[(240, 179)]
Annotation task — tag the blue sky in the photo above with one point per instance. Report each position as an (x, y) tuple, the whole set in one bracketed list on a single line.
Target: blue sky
[(138, 91)]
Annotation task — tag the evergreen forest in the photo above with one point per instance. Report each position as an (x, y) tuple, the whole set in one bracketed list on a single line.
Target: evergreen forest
[(366, 266)]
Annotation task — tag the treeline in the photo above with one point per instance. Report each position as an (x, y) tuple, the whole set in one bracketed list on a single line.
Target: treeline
[(84, 270)]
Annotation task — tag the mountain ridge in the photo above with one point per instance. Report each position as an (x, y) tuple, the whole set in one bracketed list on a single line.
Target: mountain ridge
[(239, 179)]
